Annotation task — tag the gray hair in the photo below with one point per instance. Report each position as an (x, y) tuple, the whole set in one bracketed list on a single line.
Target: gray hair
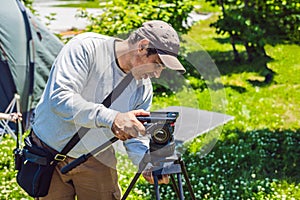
[(134, 37)]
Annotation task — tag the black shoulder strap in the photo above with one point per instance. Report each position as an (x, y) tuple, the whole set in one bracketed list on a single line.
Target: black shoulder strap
[(107, 102)]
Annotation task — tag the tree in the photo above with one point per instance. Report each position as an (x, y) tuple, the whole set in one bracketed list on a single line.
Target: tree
[(122, 16), (255, 23)]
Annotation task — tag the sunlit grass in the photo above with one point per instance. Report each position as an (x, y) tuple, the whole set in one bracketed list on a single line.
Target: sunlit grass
[(80, 4)]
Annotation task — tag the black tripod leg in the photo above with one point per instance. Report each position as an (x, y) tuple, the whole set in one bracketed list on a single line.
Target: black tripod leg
[(185, 174), (181, 196), (142, 166), (156, 188), (174, 185), (135, 178)]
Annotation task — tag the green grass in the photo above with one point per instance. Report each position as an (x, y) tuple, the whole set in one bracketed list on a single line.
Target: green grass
[(256, 155), (9, 189), (200, 6), (81, 4)]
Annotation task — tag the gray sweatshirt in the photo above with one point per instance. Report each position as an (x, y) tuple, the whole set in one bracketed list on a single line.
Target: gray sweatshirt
[(83, 74)]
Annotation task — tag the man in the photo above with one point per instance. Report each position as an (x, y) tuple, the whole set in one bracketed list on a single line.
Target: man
[(87, 69)]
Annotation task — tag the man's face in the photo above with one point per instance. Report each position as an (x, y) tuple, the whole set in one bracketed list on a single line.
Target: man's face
[(147, 67)]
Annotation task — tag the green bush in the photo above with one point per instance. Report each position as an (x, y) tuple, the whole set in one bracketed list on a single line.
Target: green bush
[(120, 17)]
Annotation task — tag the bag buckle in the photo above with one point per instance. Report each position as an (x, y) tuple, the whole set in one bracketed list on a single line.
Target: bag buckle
[(60, 157)]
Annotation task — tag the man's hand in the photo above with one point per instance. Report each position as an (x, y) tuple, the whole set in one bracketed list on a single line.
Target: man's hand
[(126, 125), (147, 174), (13, 117)]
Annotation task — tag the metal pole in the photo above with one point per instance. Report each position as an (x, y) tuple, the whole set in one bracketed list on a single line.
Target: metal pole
[(181, 196), (156, 187), (135, 178), (185, 174)]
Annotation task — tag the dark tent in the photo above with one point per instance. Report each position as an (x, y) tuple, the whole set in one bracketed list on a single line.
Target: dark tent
[(27, 50)]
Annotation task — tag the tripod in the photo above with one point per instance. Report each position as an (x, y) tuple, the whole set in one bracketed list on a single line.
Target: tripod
[(15, 103), (171, 165)]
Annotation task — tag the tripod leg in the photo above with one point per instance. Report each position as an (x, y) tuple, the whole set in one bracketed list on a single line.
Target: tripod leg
[(185, 174), (174, 186), (135, 178), (181, 196), (156, 188), (142, 166)]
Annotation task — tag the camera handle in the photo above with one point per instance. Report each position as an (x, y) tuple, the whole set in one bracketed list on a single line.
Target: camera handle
[(176, 167)]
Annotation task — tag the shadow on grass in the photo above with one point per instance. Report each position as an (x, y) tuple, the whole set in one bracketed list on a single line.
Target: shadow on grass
[(206, 63), (209, 66)]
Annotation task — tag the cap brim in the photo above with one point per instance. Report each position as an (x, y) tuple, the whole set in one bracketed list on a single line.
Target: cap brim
[(171, 62)]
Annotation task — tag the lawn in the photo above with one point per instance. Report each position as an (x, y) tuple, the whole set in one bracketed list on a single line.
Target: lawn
[(256, 155)]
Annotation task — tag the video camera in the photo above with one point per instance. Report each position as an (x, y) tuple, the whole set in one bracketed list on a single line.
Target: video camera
[(160, 125)]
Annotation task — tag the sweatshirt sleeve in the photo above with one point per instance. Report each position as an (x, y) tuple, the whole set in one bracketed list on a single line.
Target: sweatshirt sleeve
[(137, 147), (71, 70)]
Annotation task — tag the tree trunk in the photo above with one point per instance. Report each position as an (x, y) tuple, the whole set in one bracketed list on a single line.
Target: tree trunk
[(249, 50), (263, 51), (235, 52)]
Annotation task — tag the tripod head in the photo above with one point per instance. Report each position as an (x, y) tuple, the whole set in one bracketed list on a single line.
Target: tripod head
[(160, 126)]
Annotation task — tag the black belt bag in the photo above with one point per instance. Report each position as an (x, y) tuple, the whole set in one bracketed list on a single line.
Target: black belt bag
[(35, 167)]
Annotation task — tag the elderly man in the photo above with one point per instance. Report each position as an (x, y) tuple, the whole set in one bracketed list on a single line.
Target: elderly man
[(86, 70)]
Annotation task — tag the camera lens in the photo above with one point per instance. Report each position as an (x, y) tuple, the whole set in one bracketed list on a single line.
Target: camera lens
[(160, 136)]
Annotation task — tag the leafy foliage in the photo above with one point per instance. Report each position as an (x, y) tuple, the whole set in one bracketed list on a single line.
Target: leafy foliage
[(248, 165), (28, 3), (120, 17), (257, 23)]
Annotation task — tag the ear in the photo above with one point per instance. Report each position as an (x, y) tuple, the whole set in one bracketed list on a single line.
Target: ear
[(143, 44)]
